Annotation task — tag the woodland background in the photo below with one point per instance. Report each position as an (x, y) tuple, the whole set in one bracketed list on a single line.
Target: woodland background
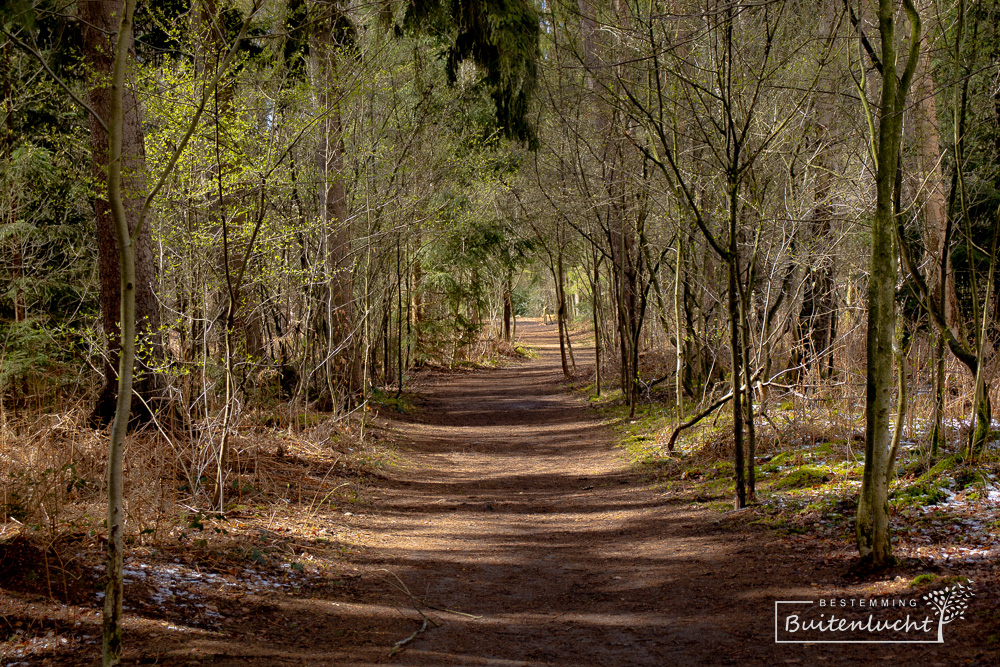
[(367, 188)]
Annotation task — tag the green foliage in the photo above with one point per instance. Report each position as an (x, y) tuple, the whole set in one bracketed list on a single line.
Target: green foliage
[(158, 26), (26, 350), (165, 31), (402, 404), (46, 247), (18, 13), (500, 37)]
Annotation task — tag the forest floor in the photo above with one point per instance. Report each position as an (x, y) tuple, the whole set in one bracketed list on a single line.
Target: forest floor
[(509, 529)]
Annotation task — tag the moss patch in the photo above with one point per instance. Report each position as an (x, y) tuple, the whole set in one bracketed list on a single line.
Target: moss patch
[(803, 477)]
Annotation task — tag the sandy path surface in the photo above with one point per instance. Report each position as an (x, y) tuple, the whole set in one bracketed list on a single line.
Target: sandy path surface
[(512, 507), (515, 507)]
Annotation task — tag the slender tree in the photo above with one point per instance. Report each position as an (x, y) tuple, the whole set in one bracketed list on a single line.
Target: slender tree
[(872, 523), (99, 19), (126, 244)]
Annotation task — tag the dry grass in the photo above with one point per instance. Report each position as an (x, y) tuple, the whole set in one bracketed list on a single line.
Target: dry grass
[(53, 470), (283, 528), (53, 473)]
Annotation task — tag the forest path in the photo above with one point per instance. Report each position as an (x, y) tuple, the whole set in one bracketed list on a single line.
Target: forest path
[(514, 506), (511, 505)]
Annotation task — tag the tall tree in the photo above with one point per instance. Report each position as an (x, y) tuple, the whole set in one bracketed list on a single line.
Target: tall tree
[(872, 522), (937, 230), (127, 246), (333, 38), (99, 19)]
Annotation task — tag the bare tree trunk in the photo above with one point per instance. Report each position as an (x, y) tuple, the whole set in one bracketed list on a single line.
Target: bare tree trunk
[(937, 230), (983, 410), (342, 346), (901, 350), (557, 275), (751, 432), (99, 19), (126, 242), (508, 308), (735, 347), (116, 112), (399, 319), (620, 234), (818, 314), (935, 199), (595, 291), (416, 305), (819, 292), (679, 331)]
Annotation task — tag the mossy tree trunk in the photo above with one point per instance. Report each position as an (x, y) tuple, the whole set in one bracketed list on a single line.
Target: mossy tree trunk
[(872, 521)]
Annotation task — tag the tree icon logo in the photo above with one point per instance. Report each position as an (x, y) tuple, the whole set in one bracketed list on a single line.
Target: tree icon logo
[(950, 603)]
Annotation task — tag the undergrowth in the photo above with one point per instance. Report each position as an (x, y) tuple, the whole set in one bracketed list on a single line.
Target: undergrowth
[(52, 499), (808, 471)]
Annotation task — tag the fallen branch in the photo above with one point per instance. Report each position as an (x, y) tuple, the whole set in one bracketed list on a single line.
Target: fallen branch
[(697, 418), (713, 407), (777, 432), (403, 642), (448, 611), (403, 588)]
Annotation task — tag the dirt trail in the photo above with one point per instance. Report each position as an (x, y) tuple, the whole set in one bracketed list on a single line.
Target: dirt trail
[(513, 506)]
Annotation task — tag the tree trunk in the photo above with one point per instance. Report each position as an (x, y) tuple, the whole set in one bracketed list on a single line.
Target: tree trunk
[(678, 332), (557, 274), (735, 347), (818, 315), (99, 19), (872, 524), (937, 230), (751, 433), (342, 346), (620, 235), (116, 112), (737, 359), (508, 309), (935, 201), (595, 292), (983, 417)]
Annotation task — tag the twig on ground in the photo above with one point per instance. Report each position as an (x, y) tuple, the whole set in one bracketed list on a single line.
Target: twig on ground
[(402, 587), (449, 611), (403, 642)]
